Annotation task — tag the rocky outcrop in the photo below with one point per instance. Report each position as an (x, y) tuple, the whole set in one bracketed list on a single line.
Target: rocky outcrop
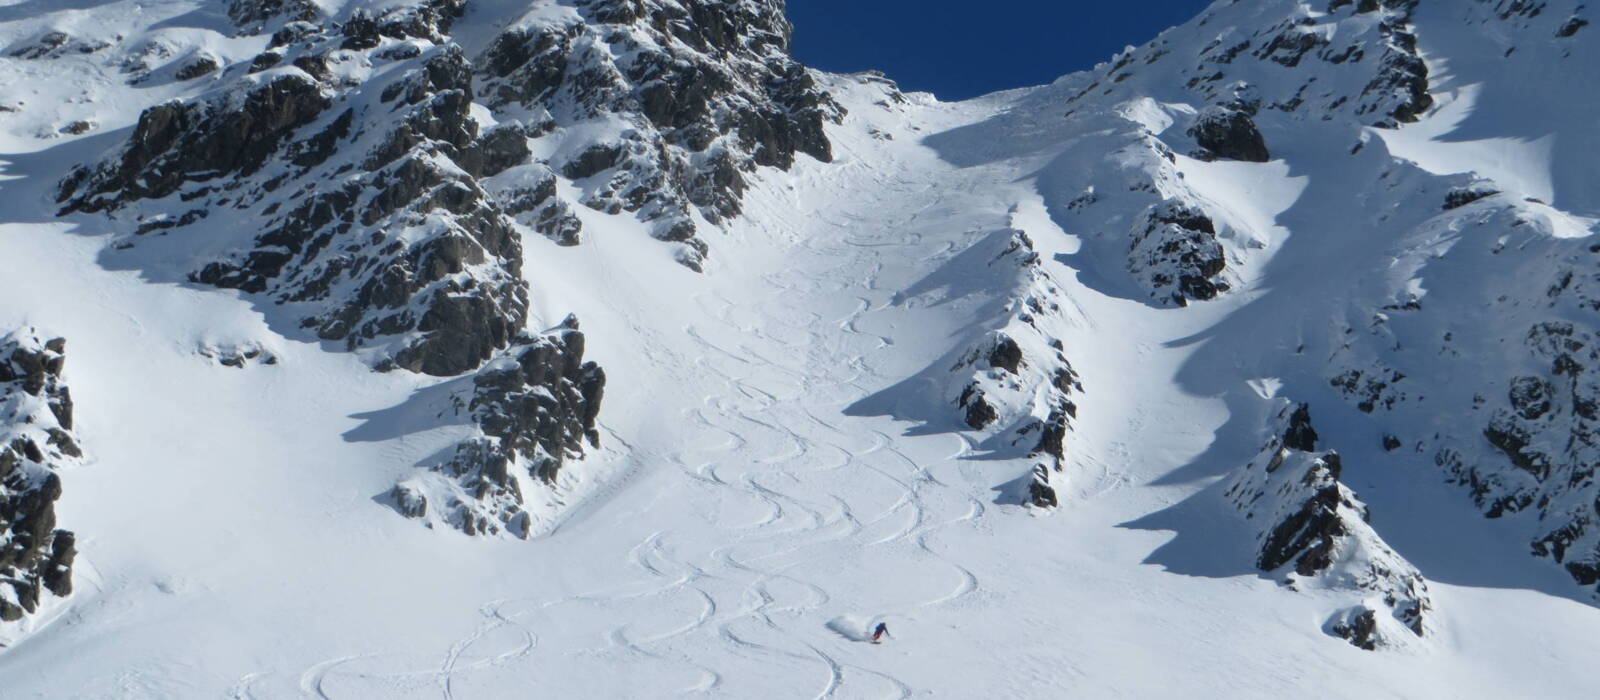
[(1313, 531), (1224, 132), (1041, 494), (252, 15), (374, 223), (535, 408), (177, 143), (1136, 204), (344, 174), (54, 45), (1369, 70), (36, 443), (689, 96), (1546, 426), (1016, 384), (1462, 196), (1174, 251), (349, 175)]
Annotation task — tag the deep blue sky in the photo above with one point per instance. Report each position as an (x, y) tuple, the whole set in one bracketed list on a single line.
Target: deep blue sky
[(961, 48)]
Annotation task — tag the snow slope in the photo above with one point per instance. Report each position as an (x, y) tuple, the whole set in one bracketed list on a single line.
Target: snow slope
[(784, 461)]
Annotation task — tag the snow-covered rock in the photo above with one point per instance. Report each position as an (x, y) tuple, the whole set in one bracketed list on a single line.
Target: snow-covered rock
[(534, 409), (1441, 266), (1519, 433), (674, 104), (1315, 532), (1016, 385), (361, 157), (36, 443)]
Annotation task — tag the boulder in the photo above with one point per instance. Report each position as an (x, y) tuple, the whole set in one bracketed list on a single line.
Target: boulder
[(1229, 133)]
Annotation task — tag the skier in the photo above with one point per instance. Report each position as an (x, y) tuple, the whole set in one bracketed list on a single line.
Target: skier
[(879, 633)]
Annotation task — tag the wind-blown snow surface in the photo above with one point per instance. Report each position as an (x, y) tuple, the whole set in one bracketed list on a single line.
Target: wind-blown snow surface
[(765, 496)]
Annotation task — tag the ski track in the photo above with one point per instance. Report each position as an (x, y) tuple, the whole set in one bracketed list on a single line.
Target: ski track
[(771, 433)]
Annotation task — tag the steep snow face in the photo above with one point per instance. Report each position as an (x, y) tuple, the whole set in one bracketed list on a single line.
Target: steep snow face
[(1413, 243), (36, 443), (1239, 83), (1475, 345), (1472, 350), (1462, 324)]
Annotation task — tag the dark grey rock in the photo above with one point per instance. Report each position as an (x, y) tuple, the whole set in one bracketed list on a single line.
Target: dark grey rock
[(1399, 91), (265, 60), (1006, 354), (410, 502), (1229, 133), (1307, 537), (592, 161), (1040, 493), (43, 46), (176, 143), (252, 15), (979, 414), (1300, 435), (444, 302), (1360, 628), (1053, 431), (1462, 196), (200, 66), (1290, 46)]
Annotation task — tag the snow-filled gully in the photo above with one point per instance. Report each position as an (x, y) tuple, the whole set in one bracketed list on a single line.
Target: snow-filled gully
[(801, 506)]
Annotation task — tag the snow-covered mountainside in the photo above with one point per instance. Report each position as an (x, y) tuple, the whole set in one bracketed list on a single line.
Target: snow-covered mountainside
[(1029, 378)]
